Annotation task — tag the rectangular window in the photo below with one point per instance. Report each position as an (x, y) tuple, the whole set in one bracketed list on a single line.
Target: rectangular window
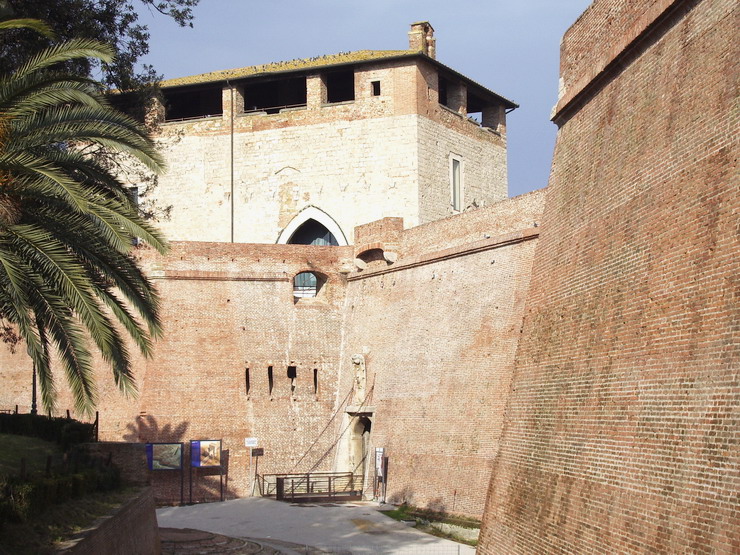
[(340, 86), (456, 182), (376, 87), (248, 385), (192, 103), (270, 381), (315, 381), (275, 95)]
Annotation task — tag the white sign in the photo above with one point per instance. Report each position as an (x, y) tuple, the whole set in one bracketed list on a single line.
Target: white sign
[(379, 452), (250, 442)]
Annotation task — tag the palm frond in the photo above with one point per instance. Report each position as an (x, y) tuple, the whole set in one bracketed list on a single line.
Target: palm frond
[(26, 23), (67, 276), (64, 52)]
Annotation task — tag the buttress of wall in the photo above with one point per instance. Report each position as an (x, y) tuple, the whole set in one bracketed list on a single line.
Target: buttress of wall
[(622, 429), (438, 330)]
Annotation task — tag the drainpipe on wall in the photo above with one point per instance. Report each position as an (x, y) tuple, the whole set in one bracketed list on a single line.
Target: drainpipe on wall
[(231, 155)]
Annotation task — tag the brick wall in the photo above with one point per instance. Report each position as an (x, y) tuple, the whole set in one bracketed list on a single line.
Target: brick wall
[(622, 431), (613, 25), (438, 330), (438, 361), (131, 529)]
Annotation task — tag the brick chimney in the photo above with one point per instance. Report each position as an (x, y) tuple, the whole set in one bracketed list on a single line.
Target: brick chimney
[(421, 38)]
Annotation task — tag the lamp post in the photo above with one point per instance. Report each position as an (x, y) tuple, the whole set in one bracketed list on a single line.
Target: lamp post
[(33, 391)]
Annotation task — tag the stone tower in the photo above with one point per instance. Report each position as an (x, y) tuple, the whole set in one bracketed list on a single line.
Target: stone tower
[(303, 151)]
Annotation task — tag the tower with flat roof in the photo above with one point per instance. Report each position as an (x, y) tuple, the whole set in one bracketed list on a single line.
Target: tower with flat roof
[(303, 151)]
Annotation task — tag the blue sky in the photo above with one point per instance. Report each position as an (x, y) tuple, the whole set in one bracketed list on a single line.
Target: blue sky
[(510, 47)]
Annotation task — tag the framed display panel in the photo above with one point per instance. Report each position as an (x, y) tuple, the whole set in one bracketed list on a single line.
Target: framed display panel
[(205, 453), (164, 456)]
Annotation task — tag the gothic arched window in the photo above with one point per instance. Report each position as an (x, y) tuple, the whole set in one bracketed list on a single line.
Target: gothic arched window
[(312, 232)]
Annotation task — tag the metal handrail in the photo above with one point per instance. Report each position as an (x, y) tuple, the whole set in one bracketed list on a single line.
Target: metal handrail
[(294, 485)]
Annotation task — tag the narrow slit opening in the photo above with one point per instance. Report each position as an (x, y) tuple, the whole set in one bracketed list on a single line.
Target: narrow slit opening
[(292, 375)]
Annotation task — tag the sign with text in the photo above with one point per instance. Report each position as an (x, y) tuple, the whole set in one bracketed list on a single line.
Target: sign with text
[(250, 442), (379, 452), (258, 452), (205, 452)]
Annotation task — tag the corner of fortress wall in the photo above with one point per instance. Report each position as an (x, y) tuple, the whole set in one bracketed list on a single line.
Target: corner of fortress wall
[(621, 429)]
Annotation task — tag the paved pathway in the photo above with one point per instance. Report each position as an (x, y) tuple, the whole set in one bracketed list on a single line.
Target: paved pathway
[(347, 529)]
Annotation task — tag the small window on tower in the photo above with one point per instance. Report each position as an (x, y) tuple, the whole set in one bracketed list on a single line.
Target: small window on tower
[(376, 87), (340, 86), (456, 190)]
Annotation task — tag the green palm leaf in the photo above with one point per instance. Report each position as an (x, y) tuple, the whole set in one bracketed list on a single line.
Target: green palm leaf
[(67, 275)]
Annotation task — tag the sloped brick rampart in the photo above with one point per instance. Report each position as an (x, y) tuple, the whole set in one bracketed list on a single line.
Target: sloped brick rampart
[(621, 432), (131, 529)]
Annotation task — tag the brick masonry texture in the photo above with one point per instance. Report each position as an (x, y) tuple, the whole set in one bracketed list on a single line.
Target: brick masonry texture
[(621, 432), (438, 363), (587, 376), (439, 337), (131, 529), (358, 161)]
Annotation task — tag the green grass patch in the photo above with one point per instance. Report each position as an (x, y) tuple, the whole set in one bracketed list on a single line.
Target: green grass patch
[(59, 523), (425, 519), (34, 450)]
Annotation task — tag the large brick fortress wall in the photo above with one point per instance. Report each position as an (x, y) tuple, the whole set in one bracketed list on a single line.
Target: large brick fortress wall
[(567, 359), (438, 364), (622, 430), (438, 331)]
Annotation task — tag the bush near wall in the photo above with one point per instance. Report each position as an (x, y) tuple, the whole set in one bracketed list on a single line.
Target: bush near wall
[(23, 499), (64, 431)]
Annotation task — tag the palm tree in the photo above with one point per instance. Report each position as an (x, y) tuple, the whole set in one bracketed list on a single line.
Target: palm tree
[(68, 277)]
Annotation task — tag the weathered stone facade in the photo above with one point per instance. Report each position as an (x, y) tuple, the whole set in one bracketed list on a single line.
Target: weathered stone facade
[(385, 151)]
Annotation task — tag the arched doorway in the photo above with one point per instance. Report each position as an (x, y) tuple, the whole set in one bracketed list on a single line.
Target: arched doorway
[(359, 444)]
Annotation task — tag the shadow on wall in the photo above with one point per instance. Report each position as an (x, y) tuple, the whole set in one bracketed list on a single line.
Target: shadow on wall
[(190, 484), (146, 430), (405, 495)]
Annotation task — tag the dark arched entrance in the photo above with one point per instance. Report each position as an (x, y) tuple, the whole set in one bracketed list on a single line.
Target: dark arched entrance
[(312, 232)]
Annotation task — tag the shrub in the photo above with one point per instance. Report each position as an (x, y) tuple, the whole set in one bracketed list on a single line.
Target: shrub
[(64, 431), (23, 500)]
